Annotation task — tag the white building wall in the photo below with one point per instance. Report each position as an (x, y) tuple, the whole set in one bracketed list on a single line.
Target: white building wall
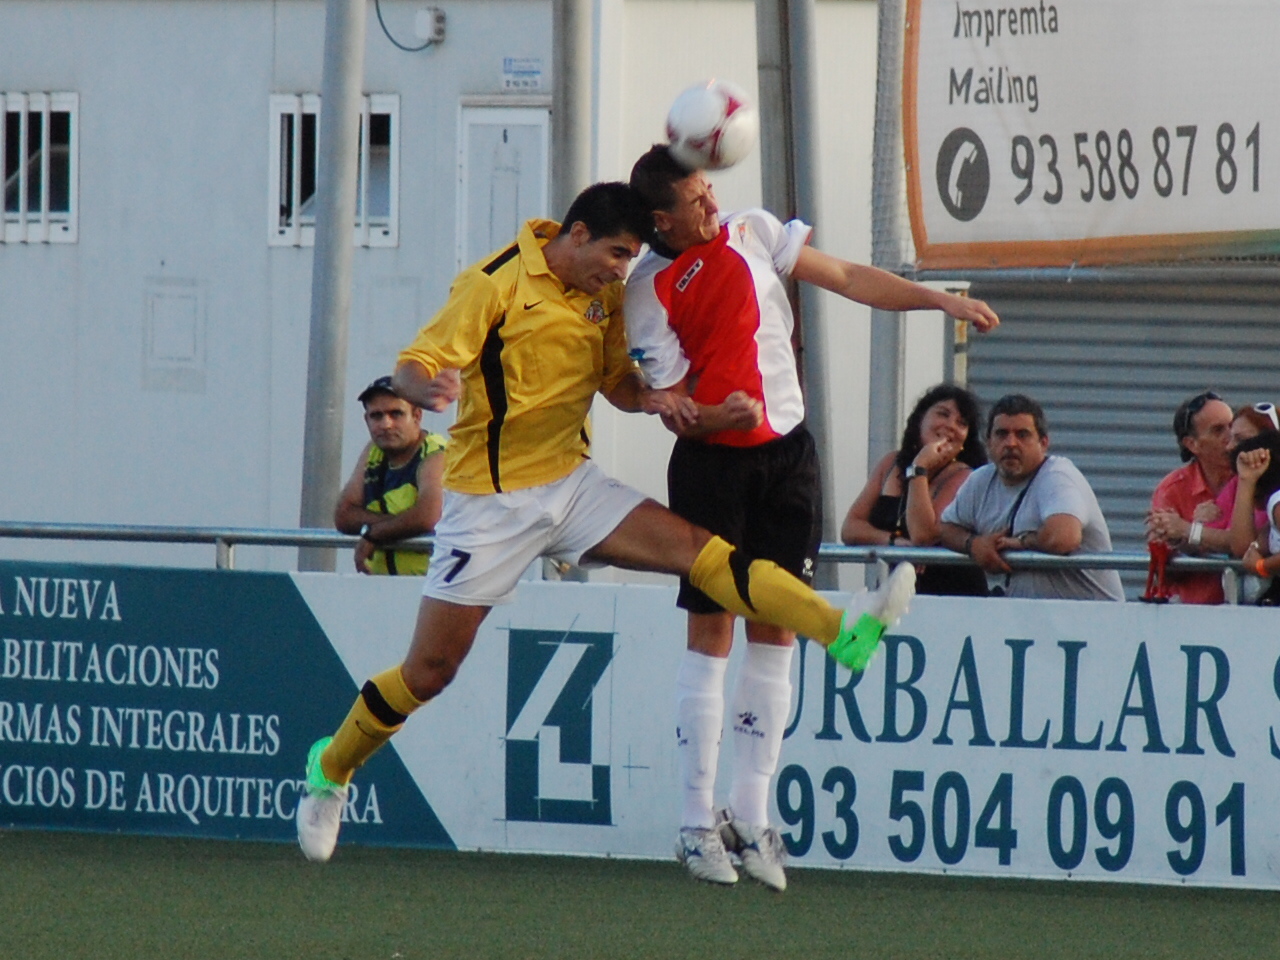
[(174, 139), (173, 146)]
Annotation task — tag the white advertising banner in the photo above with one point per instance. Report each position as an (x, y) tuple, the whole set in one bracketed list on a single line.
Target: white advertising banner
[(989, 737), (1091, 131), (1011, 738)]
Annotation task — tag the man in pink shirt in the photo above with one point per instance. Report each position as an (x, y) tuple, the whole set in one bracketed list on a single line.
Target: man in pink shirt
[(1202, 425)]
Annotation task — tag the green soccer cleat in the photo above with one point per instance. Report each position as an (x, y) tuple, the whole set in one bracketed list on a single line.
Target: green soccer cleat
[(879, 611), (317, 782)]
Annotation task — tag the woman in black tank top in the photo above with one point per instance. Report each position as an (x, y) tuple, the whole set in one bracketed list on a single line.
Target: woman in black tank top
[(908, 489)]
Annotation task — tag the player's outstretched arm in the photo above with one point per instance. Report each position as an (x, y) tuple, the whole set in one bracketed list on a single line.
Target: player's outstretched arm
[(886, 291)]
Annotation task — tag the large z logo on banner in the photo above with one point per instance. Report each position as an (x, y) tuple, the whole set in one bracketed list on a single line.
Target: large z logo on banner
[(557, 765)]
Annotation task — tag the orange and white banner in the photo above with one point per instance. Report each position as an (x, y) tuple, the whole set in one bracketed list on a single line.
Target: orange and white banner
[(1090, 131)]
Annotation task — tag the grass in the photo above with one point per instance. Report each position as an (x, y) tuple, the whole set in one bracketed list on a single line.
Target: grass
[(73, 895)]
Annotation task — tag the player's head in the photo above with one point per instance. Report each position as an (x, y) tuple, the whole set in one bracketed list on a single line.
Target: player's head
[(682, 203), (945, 409), (395, 425), (601, 234), (608, 210)]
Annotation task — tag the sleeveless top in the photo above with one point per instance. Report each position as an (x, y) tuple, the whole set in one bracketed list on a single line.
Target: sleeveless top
[(394, 490), (890, 514)]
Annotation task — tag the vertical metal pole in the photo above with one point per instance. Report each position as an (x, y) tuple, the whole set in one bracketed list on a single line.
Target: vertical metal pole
[(813, 355), (789, 169), (570, 102), (885, 378), (344, 41), (777, 180)]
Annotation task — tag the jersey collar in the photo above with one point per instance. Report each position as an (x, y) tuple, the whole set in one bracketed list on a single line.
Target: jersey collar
[(533, 237)]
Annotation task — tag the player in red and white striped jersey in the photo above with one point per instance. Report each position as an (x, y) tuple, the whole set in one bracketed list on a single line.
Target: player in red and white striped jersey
[(708, 314)]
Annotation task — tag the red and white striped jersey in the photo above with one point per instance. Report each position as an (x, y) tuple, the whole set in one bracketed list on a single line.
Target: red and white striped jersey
[(719, 313)]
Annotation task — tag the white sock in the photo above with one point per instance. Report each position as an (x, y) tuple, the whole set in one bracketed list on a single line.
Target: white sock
[(761, 706), (699, 720)]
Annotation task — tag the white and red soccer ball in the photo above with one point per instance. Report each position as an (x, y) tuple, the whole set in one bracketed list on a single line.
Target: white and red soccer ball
[(712, 126)]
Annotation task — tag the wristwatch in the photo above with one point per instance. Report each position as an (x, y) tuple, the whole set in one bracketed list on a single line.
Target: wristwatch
[(913, 471), (364, 532)]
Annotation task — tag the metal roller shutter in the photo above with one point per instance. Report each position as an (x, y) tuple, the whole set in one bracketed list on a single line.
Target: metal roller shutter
[(1110, 366)]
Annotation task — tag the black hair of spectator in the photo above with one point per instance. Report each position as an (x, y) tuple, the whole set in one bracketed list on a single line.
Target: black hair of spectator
[(1013, 404), (1184, 416), (609, 210), (654, 178), (1269, 482), (973, 453)]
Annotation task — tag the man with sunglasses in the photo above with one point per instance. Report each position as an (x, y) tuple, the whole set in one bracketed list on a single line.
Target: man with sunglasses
[(1202, 426)]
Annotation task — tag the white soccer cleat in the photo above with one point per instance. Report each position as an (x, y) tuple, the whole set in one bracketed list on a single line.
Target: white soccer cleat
[(319, 820), (760, 848), (319, 814), (870, 615), (702, 851), (894, 596)]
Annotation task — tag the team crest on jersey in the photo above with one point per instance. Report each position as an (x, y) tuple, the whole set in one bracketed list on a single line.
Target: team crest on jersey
[(744, 232), (595, 313), (689, 275)]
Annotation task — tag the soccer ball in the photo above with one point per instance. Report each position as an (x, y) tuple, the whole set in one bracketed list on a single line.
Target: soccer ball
[(711, 126)]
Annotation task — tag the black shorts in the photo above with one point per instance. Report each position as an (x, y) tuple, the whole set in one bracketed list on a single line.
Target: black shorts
[(765, 500)]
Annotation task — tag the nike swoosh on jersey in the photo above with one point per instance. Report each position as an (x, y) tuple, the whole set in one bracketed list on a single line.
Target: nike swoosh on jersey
[(530, 306)]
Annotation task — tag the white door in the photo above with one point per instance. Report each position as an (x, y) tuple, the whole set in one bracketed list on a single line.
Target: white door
[(503, 176)]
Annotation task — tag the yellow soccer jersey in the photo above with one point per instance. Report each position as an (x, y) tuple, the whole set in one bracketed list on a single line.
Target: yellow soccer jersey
[(532, 358)]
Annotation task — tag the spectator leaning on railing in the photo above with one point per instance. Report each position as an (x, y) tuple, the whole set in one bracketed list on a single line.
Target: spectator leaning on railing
[(394, 493), (911, 486), (1259, 469), (1026, 499), (1244, 524), (1202, 426)]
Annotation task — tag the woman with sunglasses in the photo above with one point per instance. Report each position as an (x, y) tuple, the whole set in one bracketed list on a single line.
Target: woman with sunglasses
[(1244, 524), (1259, 470), (908, 489)]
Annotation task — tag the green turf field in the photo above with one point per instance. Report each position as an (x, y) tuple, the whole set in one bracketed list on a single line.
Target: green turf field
[(71, 895)]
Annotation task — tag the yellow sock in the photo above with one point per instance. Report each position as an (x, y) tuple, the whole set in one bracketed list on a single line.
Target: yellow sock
[(381, 709), (762, 590)]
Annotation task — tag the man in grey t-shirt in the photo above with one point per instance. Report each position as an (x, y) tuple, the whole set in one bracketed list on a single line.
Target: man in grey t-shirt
[(1027, 500)]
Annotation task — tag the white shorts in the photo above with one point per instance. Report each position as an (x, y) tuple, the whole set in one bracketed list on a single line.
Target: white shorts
[(484, 542)]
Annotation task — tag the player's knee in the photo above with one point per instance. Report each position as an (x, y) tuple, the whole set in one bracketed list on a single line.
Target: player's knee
[(428, 677), (688, 543)]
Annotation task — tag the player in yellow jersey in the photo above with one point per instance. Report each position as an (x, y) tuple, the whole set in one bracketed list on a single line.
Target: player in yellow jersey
[(536, 330)]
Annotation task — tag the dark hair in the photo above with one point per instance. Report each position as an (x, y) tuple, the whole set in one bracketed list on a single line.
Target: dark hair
[(1254, 414), (1182, 417), (654, 178), (971, 453), (1269, 482), (1013, 404), (608, 210)]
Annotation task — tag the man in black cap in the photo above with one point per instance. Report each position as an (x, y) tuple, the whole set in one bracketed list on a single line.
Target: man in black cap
[(394, 493)]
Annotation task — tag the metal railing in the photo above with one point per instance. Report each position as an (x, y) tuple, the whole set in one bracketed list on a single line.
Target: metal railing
[(226, 539)]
